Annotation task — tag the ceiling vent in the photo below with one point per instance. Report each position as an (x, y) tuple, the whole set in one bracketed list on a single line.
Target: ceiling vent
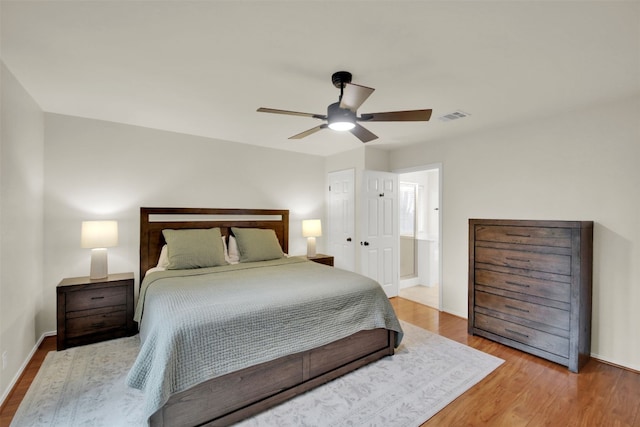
[(453, 116)]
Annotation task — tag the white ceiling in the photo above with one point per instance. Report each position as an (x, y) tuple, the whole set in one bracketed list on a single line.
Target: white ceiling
[(203, 68)]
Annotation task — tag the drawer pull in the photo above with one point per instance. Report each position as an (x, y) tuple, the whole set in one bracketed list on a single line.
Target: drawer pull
[(94, 298), (522, 285), (524, 310), (517, 259), (518, 235), (516, 333), (98, 324)]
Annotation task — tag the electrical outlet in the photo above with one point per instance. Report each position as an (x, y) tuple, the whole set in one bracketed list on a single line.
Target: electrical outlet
[(4, 359)]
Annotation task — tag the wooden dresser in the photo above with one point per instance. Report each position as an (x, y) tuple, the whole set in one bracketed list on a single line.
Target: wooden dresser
[(530, 286)]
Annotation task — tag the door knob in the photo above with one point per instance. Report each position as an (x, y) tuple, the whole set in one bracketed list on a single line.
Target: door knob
[(364, 243), (348, 239)]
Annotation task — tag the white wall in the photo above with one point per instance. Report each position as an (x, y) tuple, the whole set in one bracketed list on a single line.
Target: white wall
[(376, 159), (583, 165), (21, 183), (103, 170)]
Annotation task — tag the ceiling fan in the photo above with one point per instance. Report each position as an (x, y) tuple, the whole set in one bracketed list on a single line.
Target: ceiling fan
[(342, 115)]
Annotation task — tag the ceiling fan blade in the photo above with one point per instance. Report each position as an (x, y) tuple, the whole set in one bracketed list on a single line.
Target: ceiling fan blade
[(363, 134), (397, 116), (291, 113), (309, 132), (354, 95)]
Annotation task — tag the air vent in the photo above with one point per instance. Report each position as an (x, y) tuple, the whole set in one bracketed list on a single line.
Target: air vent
[(453, 116)]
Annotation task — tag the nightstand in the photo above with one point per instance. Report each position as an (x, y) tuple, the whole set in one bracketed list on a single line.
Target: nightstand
[(322, 259), (96, 310)]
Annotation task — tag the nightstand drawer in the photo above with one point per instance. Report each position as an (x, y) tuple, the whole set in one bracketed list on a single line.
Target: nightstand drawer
[(94, 298), (97, 322)]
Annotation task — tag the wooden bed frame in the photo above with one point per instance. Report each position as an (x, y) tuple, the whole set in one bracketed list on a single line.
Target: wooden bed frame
[(230, 398)]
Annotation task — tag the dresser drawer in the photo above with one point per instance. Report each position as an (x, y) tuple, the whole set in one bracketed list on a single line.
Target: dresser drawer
[(94, 298), (534, 312), (550, 263), (550, 289), (539, 236), (97, 321), (522, 334)]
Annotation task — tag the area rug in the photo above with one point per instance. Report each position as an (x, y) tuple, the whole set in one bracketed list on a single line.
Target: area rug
[(85, 386)]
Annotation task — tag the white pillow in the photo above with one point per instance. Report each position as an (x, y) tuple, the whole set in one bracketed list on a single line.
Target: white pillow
[(154, 269), (234, 253), (163, 261), (226, 251)]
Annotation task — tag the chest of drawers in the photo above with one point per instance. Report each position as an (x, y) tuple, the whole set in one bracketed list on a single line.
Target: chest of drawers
[(90, 311), (530, 286)]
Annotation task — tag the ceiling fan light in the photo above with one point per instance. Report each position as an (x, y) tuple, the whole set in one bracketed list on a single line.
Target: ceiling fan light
[(340, 119), (342, 126)]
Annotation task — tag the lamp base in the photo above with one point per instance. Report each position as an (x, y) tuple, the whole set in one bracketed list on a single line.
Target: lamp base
[(98, 263), (311, 247)]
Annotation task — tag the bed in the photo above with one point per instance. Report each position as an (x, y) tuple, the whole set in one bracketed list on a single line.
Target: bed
[(222, 343)]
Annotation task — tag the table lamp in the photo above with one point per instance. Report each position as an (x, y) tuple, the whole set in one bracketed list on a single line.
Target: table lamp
[(311, 228), (98, 236)]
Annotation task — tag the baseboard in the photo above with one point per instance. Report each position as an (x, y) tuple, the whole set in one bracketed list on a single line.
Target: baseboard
[(7, 392), (634, 369), (407, 283)]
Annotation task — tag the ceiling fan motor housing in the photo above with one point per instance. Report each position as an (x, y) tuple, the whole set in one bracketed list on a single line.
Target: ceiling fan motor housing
[(335, 114)]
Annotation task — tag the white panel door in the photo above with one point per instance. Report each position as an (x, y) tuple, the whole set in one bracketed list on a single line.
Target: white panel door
[(342, 219), (379, 237)]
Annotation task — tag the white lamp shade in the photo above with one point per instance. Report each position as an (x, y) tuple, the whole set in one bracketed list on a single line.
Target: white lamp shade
[(311, 228), (99, 234)]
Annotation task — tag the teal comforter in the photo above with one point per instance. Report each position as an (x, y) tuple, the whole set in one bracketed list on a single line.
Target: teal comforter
[(199, 324)]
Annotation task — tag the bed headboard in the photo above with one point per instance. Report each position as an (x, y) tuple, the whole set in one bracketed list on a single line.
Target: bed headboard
[(154, 220)]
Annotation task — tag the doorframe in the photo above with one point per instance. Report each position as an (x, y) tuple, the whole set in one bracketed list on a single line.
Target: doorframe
[(427, 167)]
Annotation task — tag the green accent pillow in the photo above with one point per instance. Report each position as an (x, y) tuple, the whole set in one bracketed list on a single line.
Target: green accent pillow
[(257, 244), (194, 248)]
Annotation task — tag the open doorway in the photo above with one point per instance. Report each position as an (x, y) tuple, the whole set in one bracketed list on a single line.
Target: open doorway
[(419, 218)]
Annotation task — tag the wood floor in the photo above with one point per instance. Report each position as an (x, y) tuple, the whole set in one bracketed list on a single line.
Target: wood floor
[(529, 391), (10, 405), (524, 391)]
